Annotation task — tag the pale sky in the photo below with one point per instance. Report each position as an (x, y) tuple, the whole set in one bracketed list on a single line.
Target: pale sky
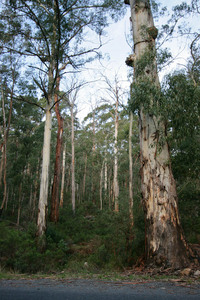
[(118, 49)]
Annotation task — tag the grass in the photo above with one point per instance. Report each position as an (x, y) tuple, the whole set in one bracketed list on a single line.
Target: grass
[(102, 276)]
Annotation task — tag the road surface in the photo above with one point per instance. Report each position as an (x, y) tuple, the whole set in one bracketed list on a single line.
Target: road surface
[(76, 289)]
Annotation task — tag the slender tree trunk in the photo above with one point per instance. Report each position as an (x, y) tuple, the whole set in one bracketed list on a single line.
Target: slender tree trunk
[(106, 179), (106, 175), (19, 204), (84, 176), (4, 156), (115, 175), (131, 171), (165, 242), (73, 159), (7, 196), (44, 183), (110, 189), (31, 197), (57, 167), (93, 156), (36, 184), (101, 186), (3, 164), (63, 177)]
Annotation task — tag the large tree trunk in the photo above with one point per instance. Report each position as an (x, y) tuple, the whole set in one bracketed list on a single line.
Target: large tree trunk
[(164, 239), (57, 167), (44, 183)]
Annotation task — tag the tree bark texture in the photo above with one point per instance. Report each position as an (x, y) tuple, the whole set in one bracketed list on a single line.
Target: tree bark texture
[(44, 183), (57, 167), (164, 238)]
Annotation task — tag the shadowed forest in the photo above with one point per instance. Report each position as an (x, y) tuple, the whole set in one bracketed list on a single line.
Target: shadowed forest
[(120, 187)]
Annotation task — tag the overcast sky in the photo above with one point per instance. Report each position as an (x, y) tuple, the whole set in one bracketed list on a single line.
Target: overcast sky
[(118, 49)]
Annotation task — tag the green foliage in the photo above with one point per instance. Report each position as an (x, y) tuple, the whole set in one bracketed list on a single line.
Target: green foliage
[(182, 109), (102, 239), (18, 249), (148, 95)]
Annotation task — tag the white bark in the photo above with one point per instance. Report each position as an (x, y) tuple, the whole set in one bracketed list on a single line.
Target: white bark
[(101, 186), (106, 175), (44, 183), (84, 176), (63, 177), (115, 176), (165, 242)]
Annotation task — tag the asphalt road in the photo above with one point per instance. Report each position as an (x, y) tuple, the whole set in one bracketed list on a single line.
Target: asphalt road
[(46, 289)]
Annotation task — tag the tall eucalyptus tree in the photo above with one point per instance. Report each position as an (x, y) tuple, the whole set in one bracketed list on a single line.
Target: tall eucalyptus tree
[(165, 243)]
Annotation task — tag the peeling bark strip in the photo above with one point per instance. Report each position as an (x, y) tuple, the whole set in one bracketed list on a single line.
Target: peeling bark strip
[(164, 239)]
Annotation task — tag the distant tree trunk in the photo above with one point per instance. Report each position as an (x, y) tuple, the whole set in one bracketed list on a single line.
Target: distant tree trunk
[(106, 179), (19, 204), (4, 156), (110, 189), (44, 183), (84, 176), (3, 165), (36, 184), (93, 155), (115, 175), (106, 175), (164, 238), (73, 159), (106, 170), (131, 171), (6, 204), (63, 177), (31, 197), (68, 179), (101, 186), (57, 167)]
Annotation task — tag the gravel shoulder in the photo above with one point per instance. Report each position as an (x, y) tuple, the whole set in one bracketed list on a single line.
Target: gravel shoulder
[(95, 289)]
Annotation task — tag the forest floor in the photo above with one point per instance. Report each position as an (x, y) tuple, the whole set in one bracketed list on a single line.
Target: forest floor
[(184, 277)]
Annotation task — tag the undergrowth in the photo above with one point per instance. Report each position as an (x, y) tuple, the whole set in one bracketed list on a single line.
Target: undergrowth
[(89, 242)]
